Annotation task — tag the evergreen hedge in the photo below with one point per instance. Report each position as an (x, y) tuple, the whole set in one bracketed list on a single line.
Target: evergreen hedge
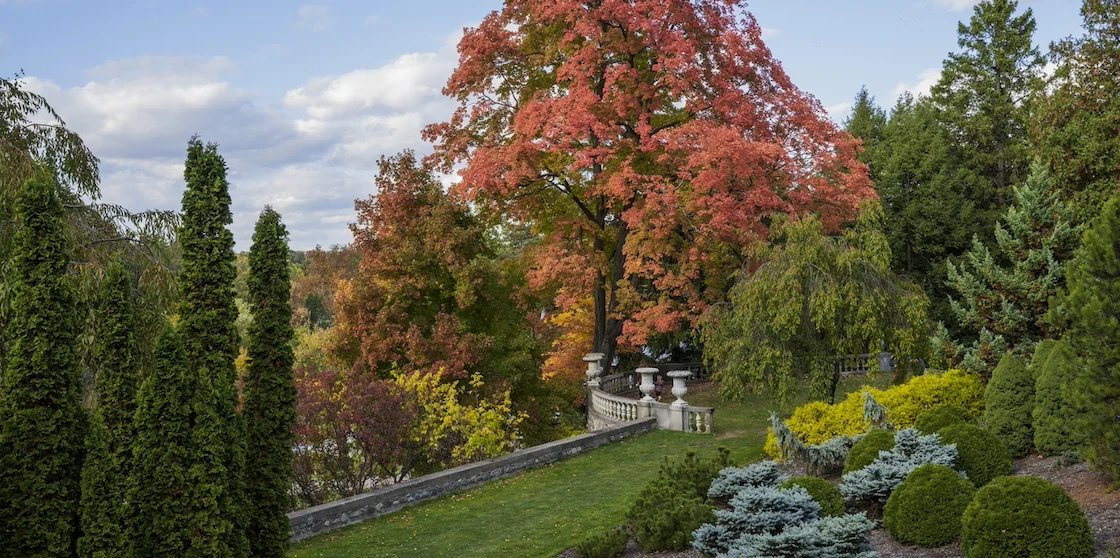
[(1024, 516), (980, 454), (867, 449), (939, 417), (42, 425), (1009, 402), (926, 508), (1057, 414), (825, 493)]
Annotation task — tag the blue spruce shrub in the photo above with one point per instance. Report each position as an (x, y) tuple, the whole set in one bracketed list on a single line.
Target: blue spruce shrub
[(831, 537), (733, 479), (874, 483), (824, 492)]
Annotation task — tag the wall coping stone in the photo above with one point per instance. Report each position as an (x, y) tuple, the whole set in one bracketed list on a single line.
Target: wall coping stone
[(360, 507)]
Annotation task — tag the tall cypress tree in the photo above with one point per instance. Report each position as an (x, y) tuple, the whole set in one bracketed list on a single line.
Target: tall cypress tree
[(42, 425), (1079, 121), (270, 394), (1093, 305), (207, 313), (984, 97), (104, 477), (159, 523)]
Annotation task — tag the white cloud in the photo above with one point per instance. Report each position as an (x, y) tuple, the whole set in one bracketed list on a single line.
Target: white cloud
[(770, 32), (315, 17), (309, 156), (838, 112), (926, 80), (957, 5)]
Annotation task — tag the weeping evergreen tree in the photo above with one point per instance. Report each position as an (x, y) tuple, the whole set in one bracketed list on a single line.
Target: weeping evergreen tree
[(270, 394), (207, 313), (109, 460), (1005, 294), (1093, 305), (813, 298), (158, 520), (42, 426)]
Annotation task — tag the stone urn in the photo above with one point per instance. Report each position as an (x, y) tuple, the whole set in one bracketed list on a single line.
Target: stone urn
[(647, 383), (679, 387), (593, 368)]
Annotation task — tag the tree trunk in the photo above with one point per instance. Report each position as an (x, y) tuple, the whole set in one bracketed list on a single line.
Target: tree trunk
[(613, 325)]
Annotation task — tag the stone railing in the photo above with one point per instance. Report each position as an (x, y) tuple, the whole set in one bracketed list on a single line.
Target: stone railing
[(355, 509), (606, 406), (863, 364)]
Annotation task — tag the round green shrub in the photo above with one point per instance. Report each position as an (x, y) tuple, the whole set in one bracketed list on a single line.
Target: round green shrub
[(1008, 403), (1024, 516), (608, 544), (980, 454), (867, 449), (926, 508), (825, 493), (939, 417)]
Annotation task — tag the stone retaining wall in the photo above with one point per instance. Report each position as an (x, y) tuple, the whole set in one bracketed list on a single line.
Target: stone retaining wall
[(355, 509)]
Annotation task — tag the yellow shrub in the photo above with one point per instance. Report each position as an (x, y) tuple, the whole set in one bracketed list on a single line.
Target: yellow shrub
[(817, 422)]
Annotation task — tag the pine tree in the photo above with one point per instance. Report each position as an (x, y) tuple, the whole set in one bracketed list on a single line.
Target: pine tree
[(159, 523), (867, 122), (984, 99), (207, 314), (1007, 293), (1078, 124), (270, 394), (42, 426), (1093, 305), (105, 474), (1009, 402)]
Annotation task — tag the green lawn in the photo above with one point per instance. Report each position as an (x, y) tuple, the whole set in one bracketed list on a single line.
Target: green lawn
[(544, 511)]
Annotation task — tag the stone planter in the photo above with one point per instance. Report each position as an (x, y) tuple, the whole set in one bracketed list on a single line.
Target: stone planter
[(679, 387)]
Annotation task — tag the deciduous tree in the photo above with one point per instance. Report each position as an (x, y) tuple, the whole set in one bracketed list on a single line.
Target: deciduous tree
[(42, 425), (648, 141)]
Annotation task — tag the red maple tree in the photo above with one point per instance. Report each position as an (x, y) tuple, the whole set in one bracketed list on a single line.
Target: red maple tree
[(647, 141)]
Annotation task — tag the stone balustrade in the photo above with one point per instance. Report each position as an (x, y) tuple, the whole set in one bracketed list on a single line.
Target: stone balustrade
[(607, 407)]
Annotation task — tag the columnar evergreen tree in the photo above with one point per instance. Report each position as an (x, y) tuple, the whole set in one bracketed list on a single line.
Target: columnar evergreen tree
[(1007, 293), (1078, 123), (868, 123), (104, 477), (270, 393), (42, 425), (1009, 402), (1058, 415), (1093, 306), (984, 99), (207, 313), (159, 523)]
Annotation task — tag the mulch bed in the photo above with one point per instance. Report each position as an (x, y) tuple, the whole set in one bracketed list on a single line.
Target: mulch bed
[(1087, 487)]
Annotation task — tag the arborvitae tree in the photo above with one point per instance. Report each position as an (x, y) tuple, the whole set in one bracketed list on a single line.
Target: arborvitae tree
[(1009, 401), (984, 99), (929, 218), (1057, 414), (867, 122), (270, 394), (158, 519), (42, 426), (1093, 305), (107, 467), (1078, 123), (1041, 355), (1008, 292), (207, 316)]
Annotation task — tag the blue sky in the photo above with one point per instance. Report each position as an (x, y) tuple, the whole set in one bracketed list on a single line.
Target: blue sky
[(304, 97)]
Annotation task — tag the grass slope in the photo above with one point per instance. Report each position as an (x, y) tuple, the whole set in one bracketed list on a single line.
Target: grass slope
[(544, 511)]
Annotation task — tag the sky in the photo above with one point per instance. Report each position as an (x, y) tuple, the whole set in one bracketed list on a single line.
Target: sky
[(303, 98)]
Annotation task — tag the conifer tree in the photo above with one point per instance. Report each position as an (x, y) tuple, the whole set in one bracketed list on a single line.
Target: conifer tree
[(1057, 414), (105, 474), (1093, 305), (1007, 293), (1079, 120), (207, 314), (867, 122), (270, 393), (158, 519), (42, 426), (984, 99), (1009, 402)]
